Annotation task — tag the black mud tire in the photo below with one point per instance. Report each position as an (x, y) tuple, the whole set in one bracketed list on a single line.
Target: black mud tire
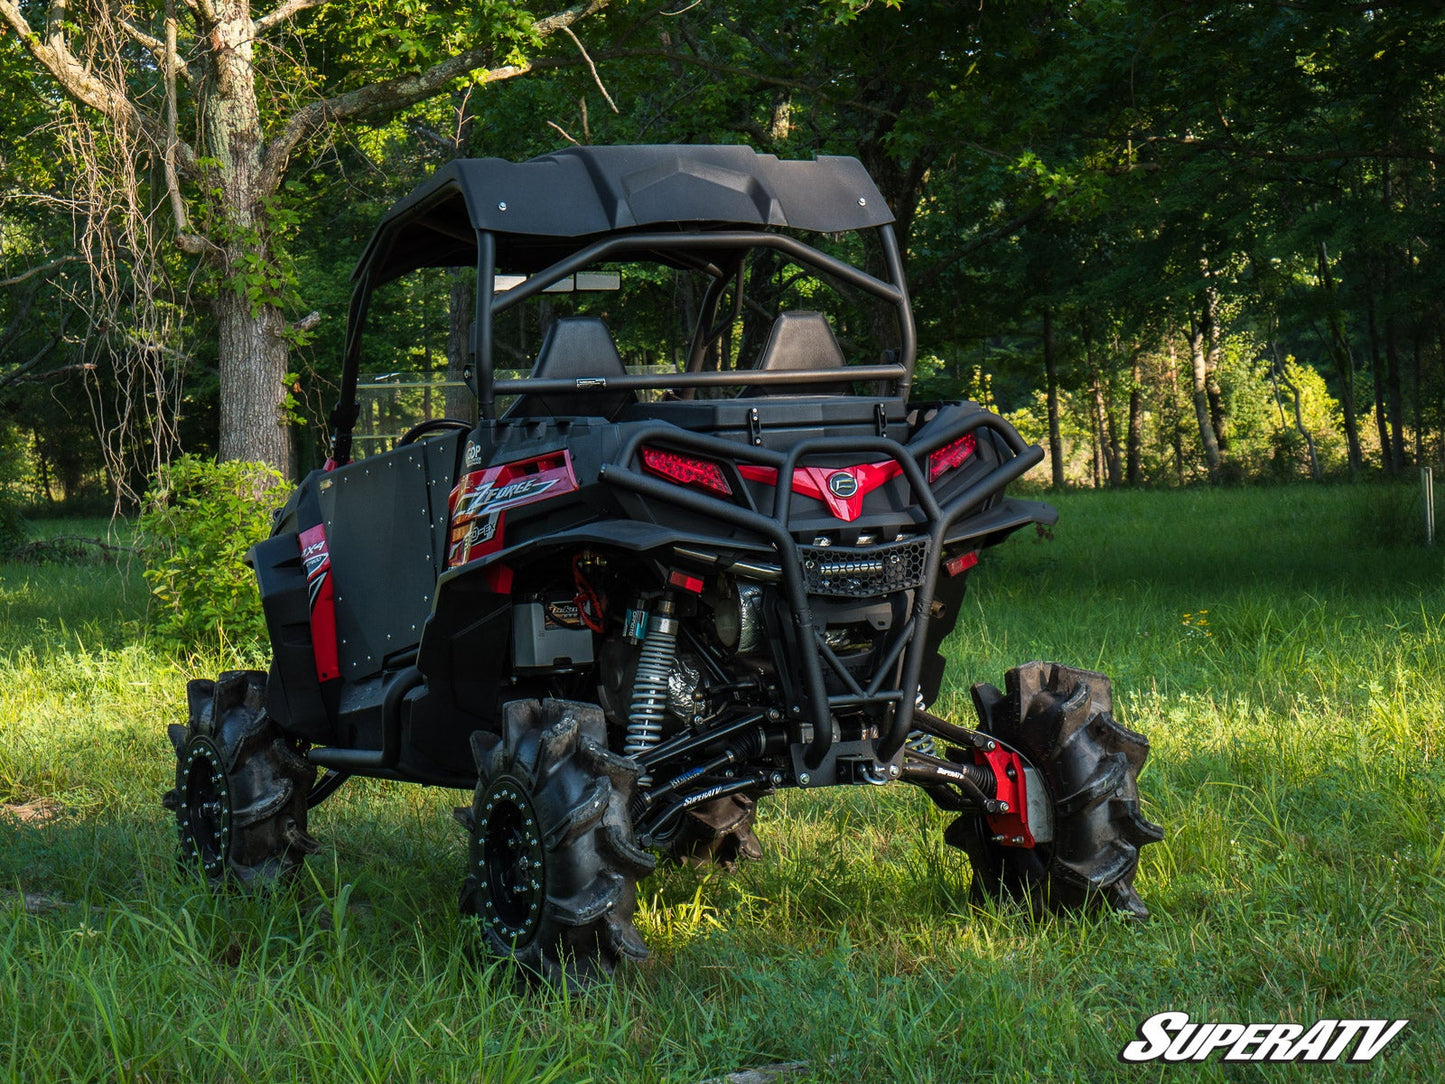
[(1061, 721), (553, 865), (716, 833), (241, 786)]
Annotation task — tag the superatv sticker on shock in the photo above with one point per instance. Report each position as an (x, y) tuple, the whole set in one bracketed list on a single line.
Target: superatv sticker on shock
[(476, 510)]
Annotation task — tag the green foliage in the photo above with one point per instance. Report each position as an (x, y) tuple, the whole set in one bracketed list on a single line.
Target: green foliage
[(1264, 441), (1094, 157), (200, 518), (12, 524)]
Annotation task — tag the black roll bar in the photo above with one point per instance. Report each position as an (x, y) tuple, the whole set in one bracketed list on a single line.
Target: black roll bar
[(895, 292), (672, 245)]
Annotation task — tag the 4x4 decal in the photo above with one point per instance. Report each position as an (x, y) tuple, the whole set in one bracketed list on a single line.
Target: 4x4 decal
[(316, 559)]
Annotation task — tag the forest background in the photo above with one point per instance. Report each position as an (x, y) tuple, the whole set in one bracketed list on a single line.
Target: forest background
[(1174, 242)]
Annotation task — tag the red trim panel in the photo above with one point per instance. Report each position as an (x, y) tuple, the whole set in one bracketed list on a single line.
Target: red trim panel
[(316, 557), (478, 504), (842, 489), (1010, 829)]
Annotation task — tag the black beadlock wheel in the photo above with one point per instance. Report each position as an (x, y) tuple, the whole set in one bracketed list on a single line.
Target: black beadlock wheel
[(718, 833), (1060, 721), (552, 862), (241, 785)]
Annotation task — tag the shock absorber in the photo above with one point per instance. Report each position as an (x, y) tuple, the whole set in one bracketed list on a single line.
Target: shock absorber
[(649, 688)]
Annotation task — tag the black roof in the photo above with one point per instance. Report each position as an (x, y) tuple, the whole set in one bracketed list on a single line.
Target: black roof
[(546, 207)]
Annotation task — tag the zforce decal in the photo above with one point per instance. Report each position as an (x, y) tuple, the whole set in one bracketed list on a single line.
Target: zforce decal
[(476, 510), (316, 558)]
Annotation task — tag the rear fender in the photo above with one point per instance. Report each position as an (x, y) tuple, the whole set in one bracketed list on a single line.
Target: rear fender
[(300, 648)]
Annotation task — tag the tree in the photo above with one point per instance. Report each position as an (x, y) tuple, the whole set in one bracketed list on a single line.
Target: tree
[(241, 83)]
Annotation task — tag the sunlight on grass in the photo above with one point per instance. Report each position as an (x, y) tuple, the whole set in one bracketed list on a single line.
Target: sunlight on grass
[(670, 927), (1296, 768)]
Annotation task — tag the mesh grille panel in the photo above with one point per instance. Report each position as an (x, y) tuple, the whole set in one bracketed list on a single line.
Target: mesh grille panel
[(864, 571)]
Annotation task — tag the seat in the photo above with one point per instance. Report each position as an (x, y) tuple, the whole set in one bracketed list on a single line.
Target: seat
[(800, 340), (575, 348)]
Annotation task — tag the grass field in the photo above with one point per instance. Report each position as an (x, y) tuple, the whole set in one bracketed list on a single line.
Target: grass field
[(1282, 650)]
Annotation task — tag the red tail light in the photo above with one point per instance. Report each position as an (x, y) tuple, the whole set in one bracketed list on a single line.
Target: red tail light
[(951, 456), (687, 470)]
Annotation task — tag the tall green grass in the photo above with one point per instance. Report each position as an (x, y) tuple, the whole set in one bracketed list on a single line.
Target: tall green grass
[(1287, 667)]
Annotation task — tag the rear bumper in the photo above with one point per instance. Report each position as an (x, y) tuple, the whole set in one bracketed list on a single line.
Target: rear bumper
[(799, 583)]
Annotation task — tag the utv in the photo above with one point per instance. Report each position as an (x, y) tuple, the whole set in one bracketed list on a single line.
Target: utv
[(623, 594)]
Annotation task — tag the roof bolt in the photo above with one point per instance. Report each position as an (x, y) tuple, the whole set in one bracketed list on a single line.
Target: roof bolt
[(862, 202), (502, 206)]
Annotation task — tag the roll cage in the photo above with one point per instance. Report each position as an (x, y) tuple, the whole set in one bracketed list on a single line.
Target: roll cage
[(702, 209)]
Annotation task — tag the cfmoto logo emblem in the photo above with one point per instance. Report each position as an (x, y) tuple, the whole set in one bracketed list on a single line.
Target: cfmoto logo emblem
[(842, 484)]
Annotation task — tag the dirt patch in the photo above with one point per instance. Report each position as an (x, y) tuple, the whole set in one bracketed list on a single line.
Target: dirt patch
[(763, 1074), (39, 811)]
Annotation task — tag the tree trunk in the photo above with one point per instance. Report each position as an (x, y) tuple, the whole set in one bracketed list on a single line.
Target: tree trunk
[(1134, 474), (1344, 364), (1108, 444), (1417, 338), (1096, 428), (1390, 256), (1280, 374), (1051, 376), (1440, 389), (253, 346), (1213, 349), (253, 358), (1108, 435), (1393, 389), (1208, 439), (1176, 414), (1387, 460)]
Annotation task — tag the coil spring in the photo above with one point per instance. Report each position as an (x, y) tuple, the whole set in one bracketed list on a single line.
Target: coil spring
[(922, 742), (649, 688), (982, 776)]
